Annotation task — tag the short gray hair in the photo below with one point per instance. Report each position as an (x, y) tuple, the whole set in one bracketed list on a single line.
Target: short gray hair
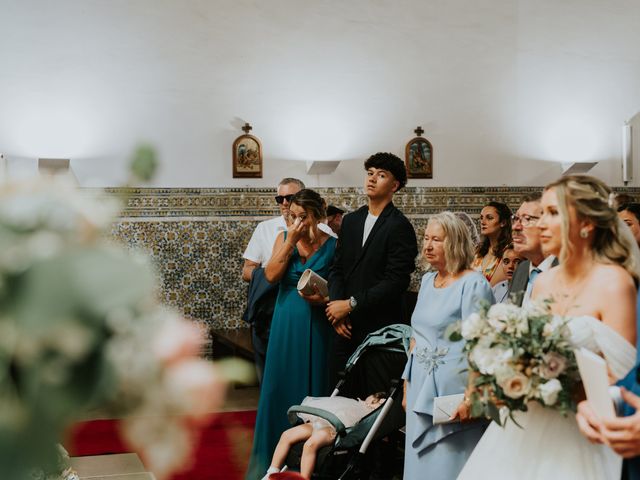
[(288, 180), (458, 246)]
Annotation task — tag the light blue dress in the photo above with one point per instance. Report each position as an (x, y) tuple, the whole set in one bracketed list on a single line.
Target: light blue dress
[(297, 355), (436, 368)]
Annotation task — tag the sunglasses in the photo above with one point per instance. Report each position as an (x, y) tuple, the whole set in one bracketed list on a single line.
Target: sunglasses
[(281, 198)]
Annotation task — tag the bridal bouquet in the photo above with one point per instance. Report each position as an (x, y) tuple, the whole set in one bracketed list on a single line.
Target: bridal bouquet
[(518, 355), (81, 329)]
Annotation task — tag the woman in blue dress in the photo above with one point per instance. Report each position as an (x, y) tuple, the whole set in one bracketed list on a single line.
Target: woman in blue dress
[(299, 342), (448, 293)]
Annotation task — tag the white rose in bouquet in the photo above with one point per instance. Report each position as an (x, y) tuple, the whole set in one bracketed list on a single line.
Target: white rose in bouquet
[(536, 308), (488, 359), (549, 391), (472, 326), (508, 318), (555, 325), (497, 316)]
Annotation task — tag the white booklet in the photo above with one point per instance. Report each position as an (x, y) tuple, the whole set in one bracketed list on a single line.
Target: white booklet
[(593, 370), (310, 279), (445, 406)]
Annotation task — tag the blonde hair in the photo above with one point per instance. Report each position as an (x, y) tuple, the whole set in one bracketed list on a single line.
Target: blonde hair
[(593, 200), (458, 246)]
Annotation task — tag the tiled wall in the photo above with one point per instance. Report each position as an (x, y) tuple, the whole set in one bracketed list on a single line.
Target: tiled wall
[(197, 236)]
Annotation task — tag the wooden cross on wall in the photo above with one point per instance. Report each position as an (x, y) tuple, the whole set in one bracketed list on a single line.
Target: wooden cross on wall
[(419, 131), (247, 128)]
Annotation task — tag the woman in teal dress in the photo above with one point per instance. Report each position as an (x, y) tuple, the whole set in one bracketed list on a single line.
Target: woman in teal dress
[(299, 342), (451, 291)]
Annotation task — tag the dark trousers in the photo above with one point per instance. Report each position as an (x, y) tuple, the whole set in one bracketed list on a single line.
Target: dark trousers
[(341, 351)]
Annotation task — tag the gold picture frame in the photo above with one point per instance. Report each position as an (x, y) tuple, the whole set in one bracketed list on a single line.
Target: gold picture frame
[(418, 156), (247, 155)]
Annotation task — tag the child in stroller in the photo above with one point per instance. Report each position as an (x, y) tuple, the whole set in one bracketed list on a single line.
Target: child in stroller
[(317, 432), (375, 366)]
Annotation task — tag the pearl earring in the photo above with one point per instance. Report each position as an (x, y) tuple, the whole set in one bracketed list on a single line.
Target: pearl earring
[(584, 233)]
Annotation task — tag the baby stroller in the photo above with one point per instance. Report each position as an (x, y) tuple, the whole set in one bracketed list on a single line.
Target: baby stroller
[(376, 366)]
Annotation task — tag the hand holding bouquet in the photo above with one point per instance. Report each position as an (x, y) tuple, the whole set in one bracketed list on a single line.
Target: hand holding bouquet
[(518, 355)]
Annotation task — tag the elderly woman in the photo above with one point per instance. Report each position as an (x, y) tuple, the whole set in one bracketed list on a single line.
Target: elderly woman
[(449, 292), (495, 228), (300, 334)]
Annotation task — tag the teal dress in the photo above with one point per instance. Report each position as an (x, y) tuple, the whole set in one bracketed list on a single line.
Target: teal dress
[(297, 355)]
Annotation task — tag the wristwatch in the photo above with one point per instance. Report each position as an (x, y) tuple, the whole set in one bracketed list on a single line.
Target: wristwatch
[(353, 303)]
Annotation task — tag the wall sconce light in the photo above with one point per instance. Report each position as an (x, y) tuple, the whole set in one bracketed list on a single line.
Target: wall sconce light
[(322, 167), (577, 168), (56, 167)]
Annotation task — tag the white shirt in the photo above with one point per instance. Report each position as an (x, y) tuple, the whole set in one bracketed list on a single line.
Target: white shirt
[(323, 227), (500, 291), (264, 236), (543, 267), (368, 226)]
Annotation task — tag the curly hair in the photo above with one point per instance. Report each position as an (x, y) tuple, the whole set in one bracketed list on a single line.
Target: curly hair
[(504, 237), (388, 161), (593, 200)]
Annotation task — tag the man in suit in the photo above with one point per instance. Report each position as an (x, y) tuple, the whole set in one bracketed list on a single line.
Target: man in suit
[(526, 243), (374, 258)]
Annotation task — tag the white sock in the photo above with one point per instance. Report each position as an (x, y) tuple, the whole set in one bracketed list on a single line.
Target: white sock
[(270, 471)]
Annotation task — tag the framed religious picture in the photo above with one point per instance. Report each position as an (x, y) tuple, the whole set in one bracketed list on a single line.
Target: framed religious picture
[(418, 156), (247, 155)]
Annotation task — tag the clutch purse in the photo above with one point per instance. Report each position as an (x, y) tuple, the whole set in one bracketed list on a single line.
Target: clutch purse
[(445, 406), (311, 279)]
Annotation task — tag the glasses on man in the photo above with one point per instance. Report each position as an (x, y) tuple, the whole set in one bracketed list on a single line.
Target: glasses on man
[(281, 198), (525, 220)]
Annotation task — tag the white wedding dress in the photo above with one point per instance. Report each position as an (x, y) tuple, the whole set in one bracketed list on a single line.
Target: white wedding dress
[(550, 446)]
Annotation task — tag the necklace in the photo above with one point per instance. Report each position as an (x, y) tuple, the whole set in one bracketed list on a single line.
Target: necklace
[(443, 281), (568, 293)]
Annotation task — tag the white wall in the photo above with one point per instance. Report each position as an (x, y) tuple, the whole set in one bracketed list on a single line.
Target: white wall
[(505, 89)]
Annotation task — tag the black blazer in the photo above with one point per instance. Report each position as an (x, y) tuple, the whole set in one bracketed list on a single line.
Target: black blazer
[(377, 273), (520, 281)]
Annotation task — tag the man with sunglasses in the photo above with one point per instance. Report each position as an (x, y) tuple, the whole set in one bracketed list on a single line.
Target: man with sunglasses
[(260, 246), (262, 295), (526, 243)]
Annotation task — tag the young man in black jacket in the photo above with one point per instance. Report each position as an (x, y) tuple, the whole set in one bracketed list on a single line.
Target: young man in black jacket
[(374, 258)]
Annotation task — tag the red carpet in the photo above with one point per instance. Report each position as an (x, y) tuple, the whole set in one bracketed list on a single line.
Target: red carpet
[(222, 453)]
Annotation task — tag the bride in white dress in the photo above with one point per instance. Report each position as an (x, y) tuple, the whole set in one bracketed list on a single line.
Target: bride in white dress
[(595, 287)]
